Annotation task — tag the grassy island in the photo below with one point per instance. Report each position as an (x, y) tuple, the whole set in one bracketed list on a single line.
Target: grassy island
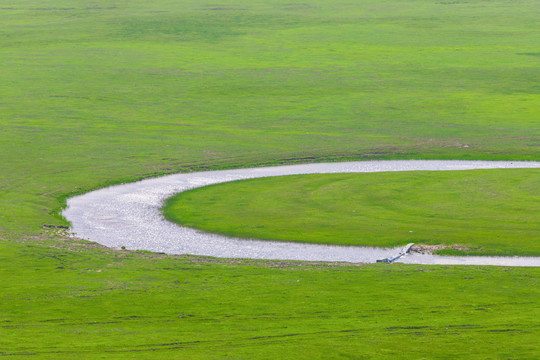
[(481, 212)]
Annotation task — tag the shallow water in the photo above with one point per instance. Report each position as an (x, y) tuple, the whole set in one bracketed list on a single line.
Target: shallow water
[(129, 215)]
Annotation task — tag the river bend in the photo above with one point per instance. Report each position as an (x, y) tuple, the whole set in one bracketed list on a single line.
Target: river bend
[(129, 215)]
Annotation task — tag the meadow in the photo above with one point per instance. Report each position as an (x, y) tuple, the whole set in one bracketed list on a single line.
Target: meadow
[(480, 212), (98, 93), (85, 302)]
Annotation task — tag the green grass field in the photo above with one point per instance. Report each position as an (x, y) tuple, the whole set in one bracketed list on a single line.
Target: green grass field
[(89, 303), (92, 94), (96, 93), (489, 212)]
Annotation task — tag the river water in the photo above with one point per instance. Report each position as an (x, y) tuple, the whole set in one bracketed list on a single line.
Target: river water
[(129, 215)]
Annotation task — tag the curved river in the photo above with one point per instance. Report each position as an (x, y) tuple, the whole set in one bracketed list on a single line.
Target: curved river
[(129, 215)]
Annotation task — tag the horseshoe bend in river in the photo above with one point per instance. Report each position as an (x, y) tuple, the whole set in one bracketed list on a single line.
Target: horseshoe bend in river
[(129, 215)]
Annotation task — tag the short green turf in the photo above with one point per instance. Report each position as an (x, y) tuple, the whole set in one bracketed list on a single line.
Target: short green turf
[(86, 303), (101, 92), (92, 94), (489, 212)]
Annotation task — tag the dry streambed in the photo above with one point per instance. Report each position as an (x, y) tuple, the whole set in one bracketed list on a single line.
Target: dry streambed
[(129, 215)]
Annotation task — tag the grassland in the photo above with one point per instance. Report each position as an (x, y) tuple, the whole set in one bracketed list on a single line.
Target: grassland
[(91, 303), (488, 212), (94, 93)]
